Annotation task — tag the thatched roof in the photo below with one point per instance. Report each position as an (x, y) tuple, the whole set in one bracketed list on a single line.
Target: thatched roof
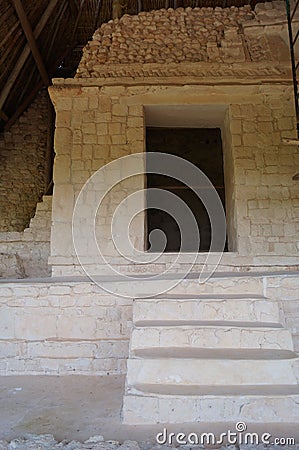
[(40, 39)]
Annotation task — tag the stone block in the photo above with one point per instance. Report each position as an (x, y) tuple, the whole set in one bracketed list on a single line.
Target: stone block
[(80, 103), (34, 326), (207, 372), (236, 126), (106, 139), (102, 129), (285, 124), (76, 327), (93, 102), (7, 323), (90, 139), (250, 139), (63, 103), (119, 139), (229, 309), (89, 128), (249, 126), (63, 118), (202, 340), (63, 140), (119, 110), (63, 203), (102, 117), (115, 128), (62, 169)]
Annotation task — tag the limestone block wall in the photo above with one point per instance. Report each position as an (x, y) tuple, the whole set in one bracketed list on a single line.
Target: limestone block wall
[(232, 67), (285, 289), (97, 124), (267, 196), (62, 328), (25, 254), (74, 327), (24, 164), (93, 126)]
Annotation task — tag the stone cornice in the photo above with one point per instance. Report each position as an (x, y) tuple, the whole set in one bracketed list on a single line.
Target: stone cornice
[(183, 74)]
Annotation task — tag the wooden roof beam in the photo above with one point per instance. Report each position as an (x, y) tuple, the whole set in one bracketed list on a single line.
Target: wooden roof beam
[(73, 7), (30, 97), (117, 9), (73, 37), (31, 41), (26, 52), (3, 116), (96, 16)]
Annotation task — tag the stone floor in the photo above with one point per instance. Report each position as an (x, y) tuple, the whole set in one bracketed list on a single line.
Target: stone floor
[(73, 408)]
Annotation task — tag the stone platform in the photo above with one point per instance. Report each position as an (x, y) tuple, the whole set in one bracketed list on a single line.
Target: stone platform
[(221, 351), (217, 351)]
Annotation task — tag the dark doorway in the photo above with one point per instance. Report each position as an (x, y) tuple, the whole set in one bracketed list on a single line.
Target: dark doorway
[(203, 148)]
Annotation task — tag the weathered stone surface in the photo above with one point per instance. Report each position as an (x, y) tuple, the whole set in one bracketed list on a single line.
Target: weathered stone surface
[(86, 330), (188, 35), (187, 354), (25, 254), (170, 409), (24, 164)]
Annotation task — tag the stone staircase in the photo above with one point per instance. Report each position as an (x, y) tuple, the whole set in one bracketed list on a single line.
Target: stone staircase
[(198, 355)]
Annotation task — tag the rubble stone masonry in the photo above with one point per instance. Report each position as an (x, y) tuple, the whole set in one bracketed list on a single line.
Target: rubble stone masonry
[(191, 35), (25, 253), (24, 165)]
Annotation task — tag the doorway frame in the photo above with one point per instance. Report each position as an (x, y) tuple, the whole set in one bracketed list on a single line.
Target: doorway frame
[(200, 116)]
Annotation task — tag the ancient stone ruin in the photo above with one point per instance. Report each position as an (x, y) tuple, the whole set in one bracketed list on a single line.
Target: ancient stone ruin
[(222, 350)]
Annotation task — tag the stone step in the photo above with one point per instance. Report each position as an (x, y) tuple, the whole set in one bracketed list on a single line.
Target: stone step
[(225, 284), (186, 308), (210, 337), (212, 353), (164, 409), (175, 284), (205, 352), (206, 372), (157, 390)]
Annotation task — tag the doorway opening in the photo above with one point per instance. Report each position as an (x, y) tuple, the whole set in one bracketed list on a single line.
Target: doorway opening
[(203, 148)]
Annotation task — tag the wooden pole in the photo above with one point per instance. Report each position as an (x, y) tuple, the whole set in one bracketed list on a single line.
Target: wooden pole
[(3, 116), (96, 17), (22, 59), (116, 9), (31, 41)]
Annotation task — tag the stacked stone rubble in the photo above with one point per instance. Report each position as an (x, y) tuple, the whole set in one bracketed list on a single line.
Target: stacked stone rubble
[(25, 254), (188, 35)]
